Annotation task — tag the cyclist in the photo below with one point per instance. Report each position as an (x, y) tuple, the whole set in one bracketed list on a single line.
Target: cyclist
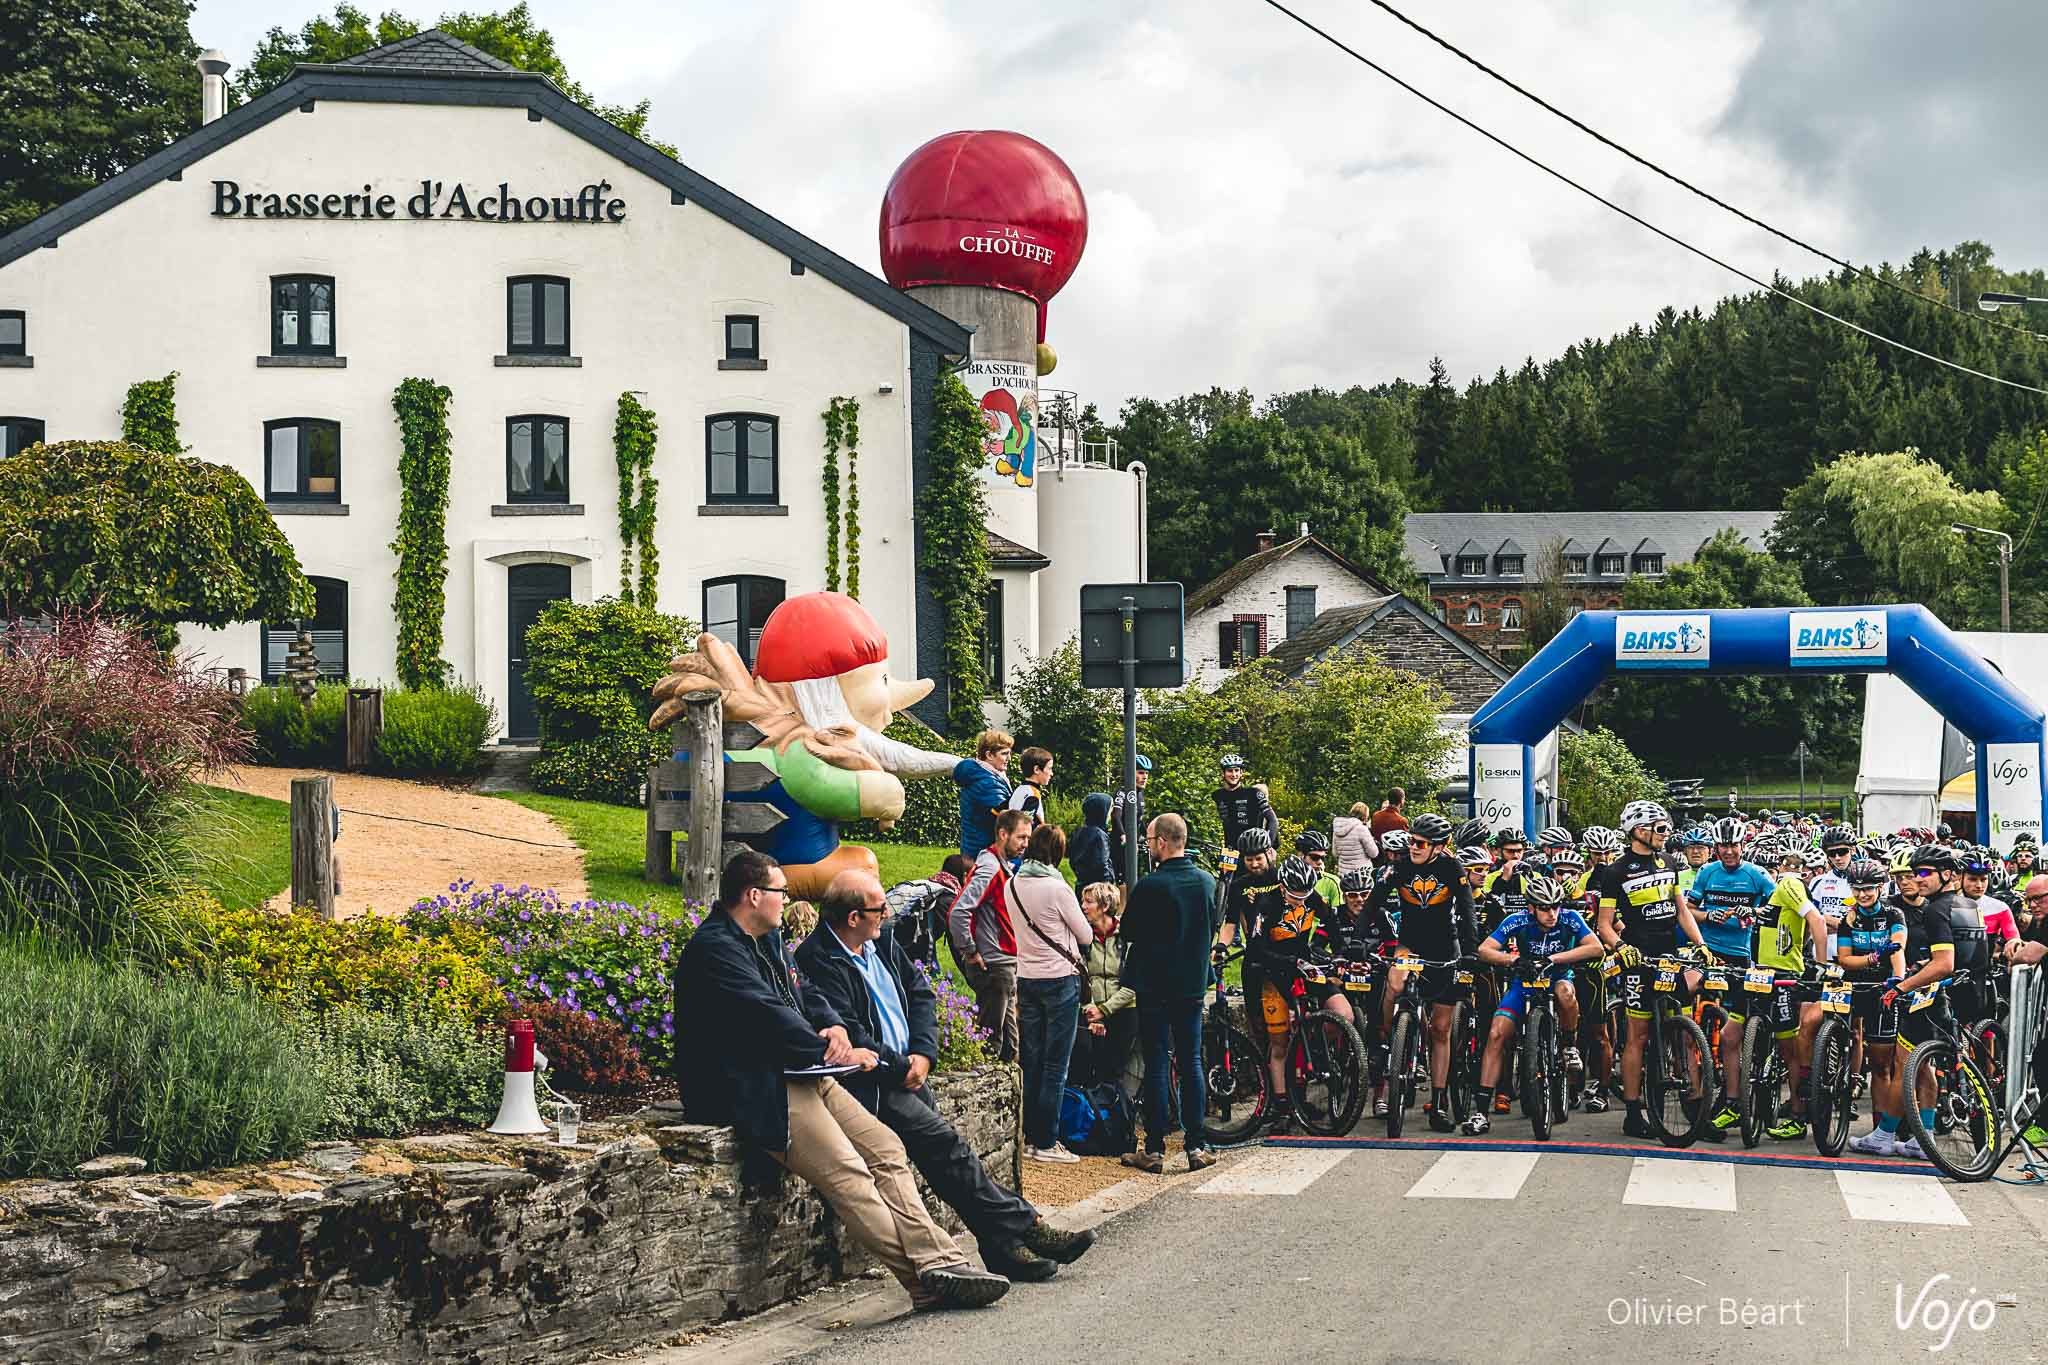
[(1364, 931), (1984, 883), (1790, 933), (1501, 897), (1726, 896), (2024, 852), (1696, 844), (1930, 960), (1975, 996), (1641, 917), (1312, 846), (1545, 933), (1870, 947), (1509, 845), (1242, 806), (1286, 917), (1567, 867), (1239, 891), (1435, 906)]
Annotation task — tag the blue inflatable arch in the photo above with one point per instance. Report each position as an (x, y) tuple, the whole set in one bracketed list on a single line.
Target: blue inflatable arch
[(1905, 640)]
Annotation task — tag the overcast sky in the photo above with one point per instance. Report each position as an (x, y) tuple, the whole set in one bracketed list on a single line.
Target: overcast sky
[(1267, 213)]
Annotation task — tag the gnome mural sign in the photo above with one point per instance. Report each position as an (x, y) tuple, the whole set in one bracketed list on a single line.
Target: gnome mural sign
[(821, 695)]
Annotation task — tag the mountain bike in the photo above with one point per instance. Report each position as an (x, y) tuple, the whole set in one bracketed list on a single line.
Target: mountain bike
[(1832, 1107), (1679, 1076), (1546, 1097), (1233, 1070), (1763, 1061), (1970, 1135), (1405, 1037), (1326, 1066)]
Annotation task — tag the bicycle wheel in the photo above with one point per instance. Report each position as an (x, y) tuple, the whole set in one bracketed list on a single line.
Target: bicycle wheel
[(1326, 1074), (1465, 1048), (1987, 1050), (1539, 1051), (1833, 1105), (1678, 1081), (1400, 1071), (1759, 1080), (1965, 1143), (1235, 1072)]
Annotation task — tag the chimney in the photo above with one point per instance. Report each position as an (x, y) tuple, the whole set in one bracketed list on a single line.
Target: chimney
[(1262, 541), (213, 80)]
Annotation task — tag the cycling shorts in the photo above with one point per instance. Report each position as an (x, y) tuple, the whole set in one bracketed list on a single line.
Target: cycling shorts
[(1638, 985), (1918, 1026), (1880, 1025), (1514, 1000), (1439, 985), (1275, 1006)]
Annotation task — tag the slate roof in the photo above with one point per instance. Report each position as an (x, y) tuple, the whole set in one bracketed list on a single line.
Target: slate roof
[(1431, 536), (1008, 554), (432, 50), (1216, 588)]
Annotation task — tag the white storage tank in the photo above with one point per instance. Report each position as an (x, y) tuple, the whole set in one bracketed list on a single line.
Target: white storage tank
[(1091, 525)]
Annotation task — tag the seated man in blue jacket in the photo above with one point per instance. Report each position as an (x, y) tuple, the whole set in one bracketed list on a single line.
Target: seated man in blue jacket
[(743, 1022), (852, 962)]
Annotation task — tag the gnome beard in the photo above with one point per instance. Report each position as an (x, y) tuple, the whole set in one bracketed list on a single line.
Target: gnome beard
[(823, 706)]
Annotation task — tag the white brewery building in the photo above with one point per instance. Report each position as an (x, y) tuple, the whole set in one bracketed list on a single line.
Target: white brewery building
[(425, 210)]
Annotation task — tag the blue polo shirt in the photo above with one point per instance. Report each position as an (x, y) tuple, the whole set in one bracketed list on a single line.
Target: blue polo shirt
[(882, 986)]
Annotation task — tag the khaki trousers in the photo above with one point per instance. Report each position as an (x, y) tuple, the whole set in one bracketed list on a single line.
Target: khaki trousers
[(854, 1160)]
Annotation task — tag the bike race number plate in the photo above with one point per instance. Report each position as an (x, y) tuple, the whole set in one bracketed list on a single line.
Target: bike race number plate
[(1759, 979), (1920, 1000), (1715, 982), (1610, 968), (1226, 862), (1835, 999), (1464, 978), (1667, 978)]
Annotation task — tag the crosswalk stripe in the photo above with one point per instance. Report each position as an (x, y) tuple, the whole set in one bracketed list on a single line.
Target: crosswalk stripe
[(1875, 1197), (1681, 1184), (1475, 1175), (1274, 1171)]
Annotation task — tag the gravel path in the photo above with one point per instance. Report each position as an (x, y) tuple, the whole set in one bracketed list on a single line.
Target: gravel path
[(403, 840)]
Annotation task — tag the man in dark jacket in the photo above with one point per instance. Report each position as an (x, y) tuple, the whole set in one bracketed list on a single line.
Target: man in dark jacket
[(744, 1023), (1167, 929), (852, 961), (1088, 849)]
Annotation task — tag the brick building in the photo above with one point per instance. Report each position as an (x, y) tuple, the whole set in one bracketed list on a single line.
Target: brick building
[(1482, 566)]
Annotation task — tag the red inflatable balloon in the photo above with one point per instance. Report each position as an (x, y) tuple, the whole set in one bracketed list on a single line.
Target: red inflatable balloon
[(989, 209)]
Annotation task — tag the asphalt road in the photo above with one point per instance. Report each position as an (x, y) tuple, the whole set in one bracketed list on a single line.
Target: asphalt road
[(1451, 1252)]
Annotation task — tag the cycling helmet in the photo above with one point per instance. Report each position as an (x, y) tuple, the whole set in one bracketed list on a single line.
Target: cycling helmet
[(1814, 859), (1358, 880), (1729, 830), (1567, 860), (1866, 872), (2025, 841), (1600, 839), (1430, 826), (1230, 761), (1901, 859), (1942, 831), (1557, 836), (1837, 836), (1144, 764), (1311, 841), (1471, 832), (1999, 888), (1934, 856), (1471, 855), (1697, 836), (1541, 890), (1639, 813), (1510, 835), (1254, 841), (1974, 860), (1394, 841), (1297, 876), (1781, 818)]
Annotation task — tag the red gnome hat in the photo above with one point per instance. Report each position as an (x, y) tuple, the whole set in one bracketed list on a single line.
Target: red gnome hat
[(817, 635)]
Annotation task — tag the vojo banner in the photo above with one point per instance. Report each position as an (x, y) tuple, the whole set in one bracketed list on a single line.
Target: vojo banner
[(1497, 785), (1833, 639), (2013, 787), (1642, 641)]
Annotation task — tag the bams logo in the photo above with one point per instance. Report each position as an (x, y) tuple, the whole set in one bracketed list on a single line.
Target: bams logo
[(1687, 639), (1864, 634)]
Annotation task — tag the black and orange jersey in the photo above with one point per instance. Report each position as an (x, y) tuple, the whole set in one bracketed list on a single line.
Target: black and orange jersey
[(1283, 932), (1434, 903)]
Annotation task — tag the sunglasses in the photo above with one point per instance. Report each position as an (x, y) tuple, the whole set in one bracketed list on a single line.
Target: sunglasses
[(1926, 872)]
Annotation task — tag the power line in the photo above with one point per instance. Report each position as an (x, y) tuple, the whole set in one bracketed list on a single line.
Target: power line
[(1687, 185), (1639, 220)]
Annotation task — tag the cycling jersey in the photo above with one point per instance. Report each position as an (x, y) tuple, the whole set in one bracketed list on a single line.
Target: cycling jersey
[(1781, 930), (1244, 807), (1283, 932), (1434, 904), (1689, 874), (1737, 893), (1928, 928), (1875, 930), (1535, 940), (1639, 887), (1973, 948), (1832, 897)]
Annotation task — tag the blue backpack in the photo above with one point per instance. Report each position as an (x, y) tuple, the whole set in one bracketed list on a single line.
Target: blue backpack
[(1098, 1121)]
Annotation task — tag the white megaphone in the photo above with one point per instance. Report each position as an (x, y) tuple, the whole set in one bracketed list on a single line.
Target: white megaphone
[(517, 1112)]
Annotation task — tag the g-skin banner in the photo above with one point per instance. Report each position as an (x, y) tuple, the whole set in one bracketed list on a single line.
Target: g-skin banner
[(2005, 725), (1497, 786)]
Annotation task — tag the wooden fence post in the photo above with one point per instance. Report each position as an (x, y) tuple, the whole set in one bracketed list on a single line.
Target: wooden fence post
[(659, 864), (704, 735), (313, 822), (365, 721)]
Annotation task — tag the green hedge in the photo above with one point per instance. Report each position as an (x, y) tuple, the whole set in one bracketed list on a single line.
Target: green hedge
[(291, 734), (386, 1073), (100, 1057), (430, 731)]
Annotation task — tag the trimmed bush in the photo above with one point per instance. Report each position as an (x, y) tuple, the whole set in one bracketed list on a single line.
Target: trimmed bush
[(436, 731), (101, 1057), (385, 1072), (591, 667), (100, 736), (612, 767), (326, 964), (584, 1052), (288, 733)]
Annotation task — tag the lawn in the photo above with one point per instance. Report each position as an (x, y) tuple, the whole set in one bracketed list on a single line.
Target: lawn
[(242, 846)]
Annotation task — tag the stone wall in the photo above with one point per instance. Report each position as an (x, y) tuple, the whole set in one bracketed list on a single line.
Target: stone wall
[(462, 1247)]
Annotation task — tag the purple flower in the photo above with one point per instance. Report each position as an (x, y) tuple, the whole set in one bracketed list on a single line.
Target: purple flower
[(612, 1000)]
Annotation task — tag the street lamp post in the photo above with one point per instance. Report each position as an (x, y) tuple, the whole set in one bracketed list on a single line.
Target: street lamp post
[(1963, 528), (1991, 303)]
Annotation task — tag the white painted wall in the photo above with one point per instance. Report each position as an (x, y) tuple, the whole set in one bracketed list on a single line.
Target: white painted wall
[(1088, 525), (157, 284), (1265, 592)]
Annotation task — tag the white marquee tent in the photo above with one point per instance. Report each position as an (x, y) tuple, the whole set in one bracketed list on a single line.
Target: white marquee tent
[(1899, 778)]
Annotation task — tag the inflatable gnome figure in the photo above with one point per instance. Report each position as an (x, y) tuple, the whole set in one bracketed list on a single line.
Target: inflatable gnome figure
[(820, 694)]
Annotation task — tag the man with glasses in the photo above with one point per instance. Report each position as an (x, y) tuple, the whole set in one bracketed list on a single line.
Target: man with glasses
[(984, 937), (753, 1041), (2033, 911), (853, 962)]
